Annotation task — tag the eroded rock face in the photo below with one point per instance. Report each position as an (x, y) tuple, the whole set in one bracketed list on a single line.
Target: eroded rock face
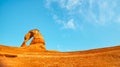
[(37, 41)]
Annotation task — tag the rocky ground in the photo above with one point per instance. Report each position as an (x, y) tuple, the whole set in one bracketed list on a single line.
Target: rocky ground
[(24, 57)]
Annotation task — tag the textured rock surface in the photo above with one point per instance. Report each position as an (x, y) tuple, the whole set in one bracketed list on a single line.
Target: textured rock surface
[(37, 41), (19, 57)]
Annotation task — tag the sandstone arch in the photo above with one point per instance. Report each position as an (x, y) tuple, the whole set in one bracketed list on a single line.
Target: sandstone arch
[(37, 41)]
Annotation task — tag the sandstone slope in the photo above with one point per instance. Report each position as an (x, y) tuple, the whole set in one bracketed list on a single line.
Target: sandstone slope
[(27, 57)]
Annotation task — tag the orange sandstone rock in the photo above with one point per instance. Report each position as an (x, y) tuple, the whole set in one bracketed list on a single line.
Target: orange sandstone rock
[(37, 41)]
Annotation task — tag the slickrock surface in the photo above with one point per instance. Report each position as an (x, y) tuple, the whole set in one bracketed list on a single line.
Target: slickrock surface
[(26, 57)]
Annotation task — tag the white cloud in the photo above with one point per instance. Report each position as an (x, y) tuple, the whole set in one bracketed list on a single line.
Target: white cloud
[(70, 24), (100, 12), (72, 4), (67, 4)]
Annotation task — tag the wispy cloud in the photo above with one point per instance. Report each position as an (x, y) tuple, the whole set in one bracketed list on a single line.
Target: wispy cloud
[(70, 24), (66, 4), (102, 11), (71, 4), (72, 13)]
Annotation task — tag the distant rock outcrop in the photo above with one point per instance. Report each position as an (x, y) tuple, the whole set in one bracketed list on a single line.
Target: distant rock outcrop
[(37, 41)]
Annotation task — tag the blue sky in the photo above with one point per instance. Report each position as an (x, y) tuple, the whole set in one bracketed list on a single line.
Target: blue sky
[(67, 25)]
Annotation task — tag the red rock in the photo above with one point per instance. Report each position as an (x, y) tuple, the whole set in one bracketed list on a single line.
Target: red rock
[(19, 57), (37, 41)]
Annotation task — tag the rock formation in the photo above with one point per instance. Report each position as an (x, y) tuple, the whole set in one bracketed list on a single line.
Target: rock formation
[(19, 57), (31, 56), (37, 41)]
